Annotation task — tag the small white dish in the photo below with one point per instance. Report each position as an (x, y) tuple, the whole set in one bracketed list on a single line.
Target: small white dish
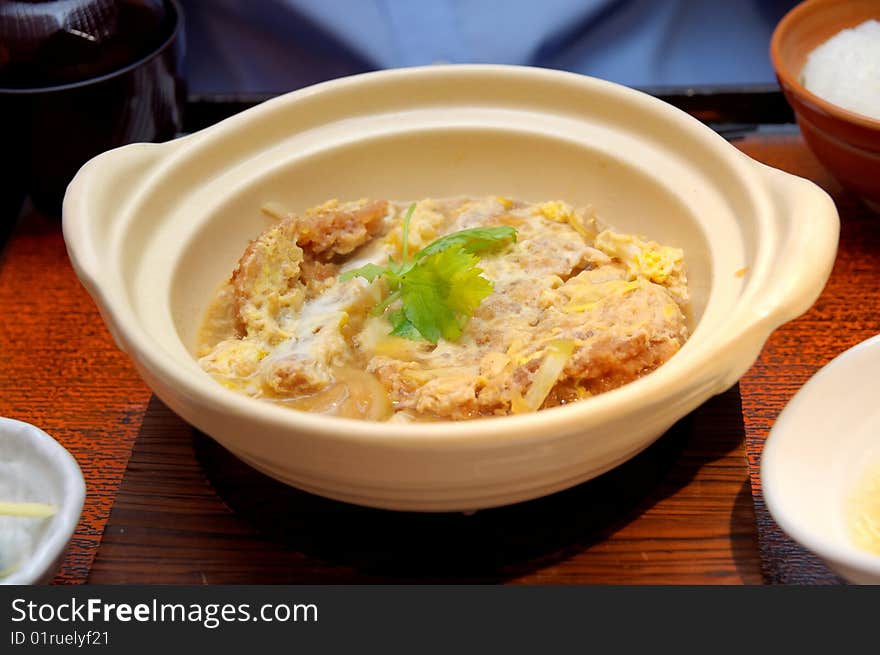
[(36, 468), (822, 445)]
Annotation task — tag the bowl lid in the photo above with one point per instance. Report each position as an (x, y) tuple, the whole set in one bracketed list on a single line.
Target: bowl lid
[(47, 43)]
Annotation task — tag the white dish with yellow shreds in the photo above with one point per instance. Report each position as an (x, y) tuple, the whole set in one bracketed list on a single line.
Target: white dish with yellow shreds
[(41, 498), (153, 229)]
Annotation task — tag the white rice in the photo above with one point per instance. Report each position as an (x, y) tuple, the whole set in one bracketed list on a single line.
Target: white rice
[(845, 70)]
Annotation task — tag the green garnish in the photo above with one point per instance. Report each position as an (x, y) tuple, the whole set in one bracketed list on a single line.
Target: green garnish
[(440, 288)]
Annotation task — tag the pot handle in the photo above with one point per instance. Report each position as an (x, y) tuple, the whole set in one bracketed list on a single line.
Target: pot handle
[(807, 232), (95, 197), (93, 206)]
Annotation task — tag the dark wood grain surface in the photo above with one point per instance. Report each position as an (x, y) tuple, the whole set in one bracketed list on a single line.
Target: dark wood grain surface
[(688, 510), (681, 512)]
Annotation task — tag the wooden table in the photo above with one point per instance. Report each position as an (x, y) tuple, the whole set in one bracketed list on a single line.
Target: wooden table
[(166, 504)]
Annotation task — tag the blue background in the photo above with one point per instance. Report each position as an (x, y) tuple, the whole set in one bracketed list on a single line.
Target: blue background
[(278, 45)]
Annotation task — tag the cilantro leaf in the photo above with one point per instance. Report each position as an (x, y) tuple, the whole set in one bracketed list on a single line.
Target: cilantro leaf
[(467, 288), (421, 296), (435, 293), (368, 271), (402, 326), (441, 292), (473, 240)]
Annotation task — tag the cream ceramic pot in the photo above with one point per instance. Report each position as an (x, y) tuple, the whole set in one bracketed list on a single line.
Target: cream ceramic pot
[(152, 230)]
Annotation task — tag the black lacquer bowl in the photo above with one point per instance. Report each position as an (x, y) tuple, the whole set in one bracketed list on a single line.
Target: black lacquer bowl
[(77, 79)]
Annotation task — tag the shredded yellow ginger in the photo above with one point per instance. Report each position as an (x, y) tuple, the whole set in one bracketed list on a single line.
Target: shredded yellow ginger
[(24, 510), (27, 510), (9, 570)]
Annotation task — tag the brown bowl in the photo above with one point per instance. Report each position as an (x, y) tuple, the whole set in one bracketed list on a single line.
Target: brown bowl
[(846, 142)]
